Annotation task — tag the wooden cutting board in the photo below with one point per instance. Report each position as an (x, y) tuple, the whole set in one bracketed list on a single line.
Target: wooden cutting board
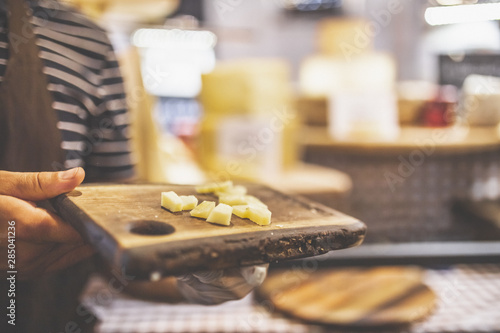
[(354, 297), (127, 225)]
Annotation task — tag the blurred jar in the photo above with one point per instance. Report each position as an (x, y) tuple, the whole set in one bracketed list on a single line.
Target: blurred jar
[(481, 100), (441, 111), (412, 97)]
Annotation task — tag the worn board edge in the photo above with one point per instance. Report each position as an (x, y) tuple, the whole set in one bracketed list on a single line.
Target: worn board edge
[(258, 248), (85, 226)]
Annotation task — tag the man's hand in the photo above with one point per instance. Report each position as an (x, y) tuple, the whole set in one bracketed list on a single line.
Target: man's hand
[(218, 286), (44, 243)]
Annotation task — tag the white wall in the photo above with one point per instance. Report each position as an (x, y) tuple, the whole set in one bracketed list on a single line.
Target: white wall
[(253, 28)]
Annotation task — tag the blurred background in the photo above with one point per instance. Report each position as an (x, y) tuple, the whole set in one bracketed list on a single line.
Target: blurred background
[(386, 110)]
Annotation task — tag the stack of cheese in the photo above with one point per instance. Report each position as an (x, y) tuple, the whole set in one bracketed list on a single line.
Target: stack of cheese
[(340, 35), (232, 200), (246, 86), (249, 125), (358, 82)]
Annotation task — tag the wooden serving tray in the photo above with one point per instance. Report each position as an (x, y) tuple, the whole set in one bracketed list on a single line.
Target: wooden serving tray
[(354, 297), (128, 227)]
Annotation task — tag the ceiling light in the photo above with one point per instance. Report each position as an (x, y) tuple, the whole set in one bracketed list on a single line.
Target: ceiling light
[(462, 14)]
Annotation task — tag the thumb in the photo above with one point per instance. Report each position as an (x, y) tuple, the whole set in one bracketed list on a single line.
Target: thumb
[(36, 186)]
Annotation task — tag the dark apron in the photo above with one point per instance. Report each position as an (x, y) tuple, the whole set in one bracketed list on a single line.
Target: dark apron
[(31, 141)]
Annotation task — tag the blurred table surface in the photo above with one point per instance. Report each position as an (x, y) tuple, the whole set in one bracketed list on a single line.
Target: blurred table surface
[(454, 139), (404, 190), (305, 178), (468, 301)]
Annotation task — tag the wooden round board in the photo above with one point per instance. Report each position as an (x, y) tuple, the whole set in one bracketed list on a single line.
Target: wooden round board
[(358, 297)]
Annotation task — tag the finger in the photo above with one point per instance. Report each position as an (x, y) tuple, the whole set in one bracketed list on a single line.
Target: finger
[(36, 186), (30, 256), (34, 260), (68, 255), (36, 224)]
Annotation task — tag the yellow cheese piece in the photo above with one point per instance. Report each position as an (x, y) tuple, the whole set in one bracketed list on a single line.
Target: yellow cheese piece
[(174, 203), (241, 211), (254, 201), (259, 215), (235, 190), (203, 210), (214, 187), (188, 202), (255, 213), (233, 199), (221, 214), (171, 201)]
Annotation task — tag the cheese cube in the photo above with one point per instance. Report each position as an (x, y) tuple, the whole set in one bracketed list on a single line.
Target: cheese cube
[(171, 201), (221, 214), (236, 199), (203, 210), (255, 213), (188, 201), (259, 215), (235, 190), (233, 199), (214, 187), (241, 211), (254, 201)]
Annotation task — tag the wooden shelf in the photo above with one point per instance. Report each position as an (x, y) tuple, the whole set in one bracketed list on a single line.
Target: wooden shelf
[(449, 140), (306, 179)]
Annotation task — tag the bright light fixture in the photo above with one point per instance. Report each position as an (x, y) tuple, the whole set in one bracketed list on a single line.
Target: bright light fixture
[(174, 38), (455, 2), (173, 60), (462, 14)]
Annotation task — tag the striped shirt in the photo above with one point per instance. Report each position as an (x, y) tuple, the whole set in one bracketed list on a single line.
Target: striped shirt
[(86, 85)]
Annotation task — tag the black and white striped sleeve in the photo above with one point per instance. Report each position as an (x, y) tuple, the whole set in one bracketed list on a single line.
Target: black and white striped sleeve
[(111, 156)]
